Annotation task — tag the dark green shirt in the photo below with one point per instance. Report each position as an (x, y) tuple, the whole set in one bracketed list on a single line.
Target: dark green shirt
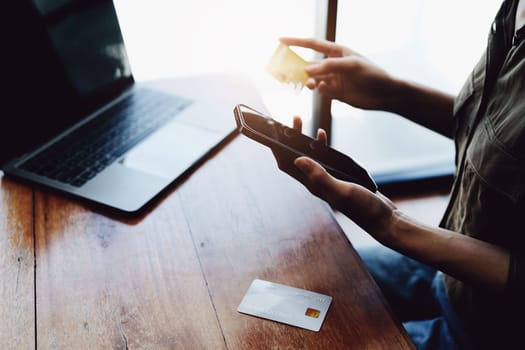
[(488, 195)]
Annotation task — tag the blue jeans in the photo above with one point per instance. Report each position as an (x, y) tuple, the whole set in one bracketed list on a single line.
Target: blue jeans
[(417, 297)]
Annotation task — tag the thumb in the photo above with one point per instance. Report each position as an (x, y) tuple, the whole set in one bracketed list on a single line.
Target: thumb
[(317, 179), (305, 164)]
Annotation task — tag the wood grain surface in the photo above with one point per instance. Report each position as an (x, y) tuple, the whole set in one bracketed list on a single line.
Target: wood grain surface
[(266, 225), (173, 277), (17, 301), (105, 283)]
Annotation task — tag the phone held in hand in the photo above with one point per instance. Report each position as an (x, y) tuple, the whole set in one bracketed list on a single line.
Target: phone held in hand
[(292, 144)]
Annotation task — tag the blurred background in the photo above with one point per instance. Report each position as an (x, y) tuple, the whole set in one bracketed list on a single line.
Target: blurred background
[(435, 42)]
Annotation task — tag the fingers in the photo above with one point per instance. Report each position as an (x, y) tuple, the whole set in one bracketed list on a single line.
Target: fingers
[(332, 80), (327, 47), (322, 137), (326, 76), (318, 181), (351, 199), (328, 89), (328, 66), (311, 83), (297, 123)]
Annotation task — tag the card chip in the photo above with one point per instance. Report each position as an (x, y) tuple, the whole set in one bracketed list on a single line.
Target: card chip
[(314, 313)]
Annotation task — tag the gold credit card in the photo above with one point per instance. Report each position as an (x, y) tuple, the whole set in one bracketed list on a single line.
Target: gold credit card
[(287, 66)]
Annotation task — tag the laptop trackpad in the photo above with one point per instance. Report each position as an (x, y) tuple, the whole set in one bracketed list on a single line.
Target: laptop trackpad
[(171, 150)]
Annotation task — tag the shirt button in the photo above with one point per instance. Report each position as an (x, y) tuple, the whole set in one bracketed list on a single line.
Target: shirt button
[(494, 27)]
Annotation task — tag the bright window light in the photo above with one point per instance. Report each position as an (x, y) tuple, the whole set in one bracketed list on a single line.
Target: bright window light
[(167, 38), (436, 43), (430, 41)]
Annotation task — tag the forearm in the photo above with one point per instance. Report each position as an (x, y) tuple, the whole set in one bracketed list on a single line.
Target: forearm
[(423, 105), (467, 259)]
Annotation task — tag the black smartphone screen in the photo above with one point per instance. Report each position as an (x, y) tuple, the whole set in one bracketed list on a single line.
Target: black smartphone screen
[(291, 143)]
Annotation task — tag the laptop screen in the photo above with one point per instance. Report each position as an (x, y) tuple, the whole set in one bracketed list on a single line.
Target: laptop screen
[(61, 59)]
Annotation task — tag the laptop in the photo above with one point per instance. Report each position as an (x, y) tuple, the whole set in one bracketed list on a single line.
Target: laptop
[(74, 119)]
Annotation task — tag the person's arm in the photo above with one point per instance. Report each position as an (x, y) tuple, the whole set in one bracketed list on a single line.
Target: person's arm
[(467, 259), (426, 106), (463, 257), (351, 78)]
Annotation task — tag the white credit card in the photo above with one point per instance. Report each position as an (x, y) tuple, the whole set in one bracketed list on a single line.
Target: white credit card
[(293, 306)]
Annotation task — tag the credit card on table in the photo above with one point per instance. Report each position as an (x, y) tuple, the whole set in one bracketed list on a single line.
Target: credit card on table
[(289, 305)]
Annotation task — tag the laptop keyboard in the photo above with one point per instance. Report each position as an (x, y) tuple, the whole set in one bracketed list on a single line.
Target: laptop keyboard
[(88, 150)]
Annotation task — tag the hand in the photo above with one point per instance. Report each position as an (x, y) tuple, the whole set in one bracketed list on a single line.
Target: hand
[(285, 160), (346, 75), (373, 212)]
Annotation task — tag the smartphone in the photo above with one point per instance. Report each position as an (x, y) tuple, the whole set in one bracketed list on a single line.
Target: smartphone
[(289, 144)]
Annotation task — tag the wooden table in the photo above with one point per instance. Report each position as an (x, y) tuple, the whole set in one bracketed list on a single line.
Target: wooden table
[(76, 277)]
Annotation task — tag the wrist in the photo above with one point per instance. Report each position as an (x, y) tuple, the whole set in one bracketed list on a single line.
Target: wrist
[(394, 230), (404, 233), (419, 241)]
